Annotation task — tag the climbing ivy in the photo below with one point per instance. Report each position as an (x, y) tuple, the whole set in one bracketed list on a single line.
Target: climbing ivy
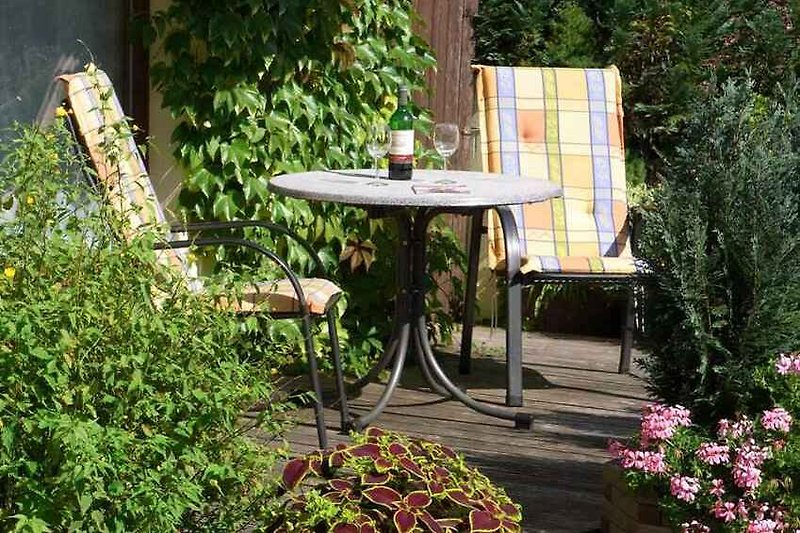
[(265, 87)]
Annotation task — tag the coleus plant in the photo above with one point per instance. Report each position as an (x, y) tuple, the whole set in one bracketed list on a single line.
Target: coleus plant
[(387, 481)]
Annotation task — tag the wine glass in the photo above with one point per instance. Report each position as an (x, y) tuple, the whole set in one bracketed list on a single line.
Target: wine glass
[(445, 140), (378, 141)]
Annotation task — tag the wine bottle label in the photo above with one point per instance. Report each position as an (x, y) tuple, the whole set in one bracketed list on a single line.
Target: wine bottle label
[(402, 148)]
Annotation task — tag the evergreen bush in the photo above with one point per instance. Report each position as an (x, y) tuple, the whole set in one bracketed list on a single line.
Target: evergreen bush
[(723, 240)]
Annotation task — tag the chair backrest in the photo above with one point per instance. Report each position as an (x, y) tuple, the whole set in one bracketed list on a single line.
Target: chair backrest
[(564, 125), (112, 149)]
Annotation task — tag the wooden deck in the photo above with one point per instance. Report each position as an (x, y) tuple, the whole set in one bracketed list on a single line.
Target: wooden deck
[(554, 471)]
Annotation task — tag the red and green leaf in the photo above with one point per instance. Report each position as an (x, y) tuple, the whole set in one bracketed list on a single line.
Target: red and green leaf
[(431, 523), (341, 485), (294, 472), (369, 449), (481, 521), (374, 433), (417, 500), (511, 511), (404, 521), (346, 528), (411, 466), (397, 449), (385, 496), (382, 464), (375, 479), (435, 488), (460, 497)]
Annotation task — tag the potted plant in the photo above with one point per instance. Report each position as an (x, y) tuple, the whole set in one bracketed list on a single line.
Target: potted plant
[(386, 481), (743, 475)]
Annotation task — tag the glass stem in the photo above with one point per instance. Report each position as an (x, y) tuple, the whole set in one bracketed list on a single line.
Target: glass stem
[(445, 163), (375, 163)]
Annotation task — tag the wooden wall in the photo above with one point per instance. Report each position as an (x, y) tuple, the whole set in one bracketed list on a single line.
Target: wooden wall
[(447, 26)]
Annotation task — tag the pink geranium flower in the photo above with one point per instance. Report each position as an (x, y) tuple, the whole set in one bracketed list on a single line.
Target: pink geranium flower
[(788, 364), (777, 419), (660, 422), (725, 511), (712, 453), (763, 526), (684, 488), (717, 488)]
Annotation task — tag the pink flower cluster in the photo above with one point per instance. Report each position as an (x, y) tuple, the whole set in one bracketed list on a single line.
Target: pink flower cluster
[(747, 466), (659, 422), (684, 488), (643, 460), (788, 364), (777, 419), (736, 430), (712, 453)]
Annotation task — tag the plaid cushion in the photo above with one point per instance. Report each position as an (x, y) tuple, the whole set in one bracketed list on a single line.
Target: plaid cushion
[(280, 297), (120, 168), (573, 264), (115, 156), (564, 125)]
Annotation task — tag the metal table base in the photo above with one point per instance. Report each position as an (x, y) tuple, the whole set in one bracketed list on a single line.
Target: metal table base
[(410, 327)]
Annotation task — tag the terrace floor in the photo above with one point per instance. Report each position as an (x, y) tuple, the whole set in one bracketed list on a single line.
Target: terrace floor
[(553, 471)]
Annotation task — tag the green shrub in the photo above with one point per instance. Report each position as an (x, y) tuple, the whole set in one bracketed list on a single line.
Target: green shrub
[(389, 482), (264, 87), (120, 390), (723, 239)]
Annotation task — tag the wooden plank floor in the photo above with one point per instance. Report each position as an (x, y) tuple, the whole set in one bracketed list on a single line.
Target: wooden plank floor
[(554, 471)]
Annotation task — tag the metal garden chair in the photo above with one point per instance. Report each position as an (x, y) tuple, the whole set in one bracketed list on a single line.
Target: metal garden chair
[(99, 123), (564, 125)]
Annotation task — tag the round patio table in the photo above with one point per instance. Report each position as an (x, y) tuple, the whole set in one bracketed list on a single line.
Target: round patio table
[(414, 203)]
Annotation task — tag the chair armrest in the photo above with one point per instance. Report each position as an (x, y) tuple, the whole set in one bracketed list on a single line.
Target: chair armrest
[(240, 224), (242, 243), (511, 240)]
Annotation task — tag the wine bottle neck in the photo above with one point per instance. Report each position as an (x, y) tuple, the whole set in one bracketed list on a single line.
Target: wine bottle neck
[(402, 96)]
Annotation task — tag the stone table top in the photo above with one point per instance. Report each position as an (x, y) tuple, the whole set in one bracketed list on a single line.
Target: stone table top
[(427, 188)]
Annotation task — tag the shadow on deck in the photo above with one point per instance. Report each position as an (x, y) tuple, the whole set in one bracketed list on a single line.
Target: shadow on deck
[(555, 470)]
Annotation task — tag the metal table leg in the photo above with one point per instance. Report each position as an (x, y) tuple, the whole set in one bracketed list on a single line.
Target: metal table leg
[(521, 420), (398, 346)]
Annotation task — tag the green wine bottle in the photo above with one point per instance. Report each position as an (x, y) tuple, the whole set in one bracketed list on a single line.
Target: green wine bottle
[(401, 152)]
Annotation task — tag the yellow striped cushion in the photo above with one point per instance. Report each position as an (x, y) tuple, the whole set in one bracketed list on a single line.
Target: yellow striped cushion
[(572, 264), (120, 169), (564, 125), (280, 297)]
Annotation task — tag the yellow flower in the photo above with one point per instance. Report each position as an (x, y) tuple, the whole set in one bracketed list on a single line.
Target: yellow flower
[(30, 200), (9, 272), (61, 112)]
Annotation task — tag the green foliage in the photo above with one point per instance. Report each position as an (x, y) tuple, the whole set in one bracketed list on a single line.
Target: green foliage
[(120, 390), (534, 33), (667, 51), (389, 482), (722, 239), (264, 87)]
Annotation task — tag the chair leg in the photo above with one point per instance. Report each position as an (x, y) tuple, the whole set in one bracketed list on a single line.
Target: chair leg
[(465, 361), (514, 345), (344, 410), (315, 382), (627, 335)]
